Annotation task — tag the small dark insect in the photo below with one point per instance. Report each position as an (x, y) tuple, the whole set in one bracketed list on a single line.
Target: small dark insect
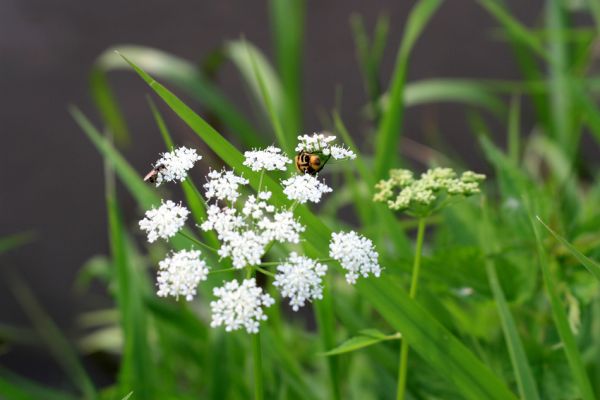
[(151, 176), (309, 163)]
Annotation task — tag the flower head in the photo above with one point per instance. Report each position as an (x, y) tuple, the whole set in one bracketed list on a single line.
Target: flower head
[(283, 228), (269, 159), (174, 165), (165, 221), (180, 274), (239, 306), (355, 253), (300, 279), (303, 188), (422, 196), (223, 185), (244, 247)]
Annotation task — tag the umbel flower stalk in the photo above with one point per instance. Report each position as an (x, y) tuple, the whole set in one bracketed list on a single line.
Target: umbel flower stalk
[(420, 198)]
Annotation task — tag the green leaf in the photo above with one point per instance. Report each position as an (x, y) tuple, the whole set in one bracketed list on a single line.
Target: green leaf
[(15, 387), (389, 130), (560, 318), (588, 263), (364, 339), (128, 396), (433, 342), (183, 74)]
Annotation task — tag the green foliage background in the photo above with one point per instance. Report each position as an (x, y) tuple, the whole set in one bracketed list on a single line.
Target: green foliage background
[(525, 248)]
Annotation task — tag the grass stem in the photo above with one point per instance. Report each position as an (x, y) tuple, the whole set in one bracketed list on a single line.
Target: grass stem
[(413, 292), (257, 357)]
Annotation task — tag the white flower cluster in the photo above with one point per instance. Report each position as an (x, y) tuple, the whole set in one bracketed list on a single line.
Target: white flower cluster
[(269, 159), (223, 185), (244, 235), (420, 196), (299, 279), (174, 165), (180, 274), (303, 188), (165, 221), (239, 306), (319, 143), (356, 254)]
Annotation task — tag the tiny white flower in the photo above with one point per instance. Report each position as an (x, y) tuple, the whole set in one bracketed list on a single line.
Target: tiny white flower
[(269, 159), (342, 153), (303, 188), (174, 165), (355, 253), (245, 248), (239, 306), (256, 208), (283, 228), (180, 274), (300, 279), (223, 185), (165, 221)]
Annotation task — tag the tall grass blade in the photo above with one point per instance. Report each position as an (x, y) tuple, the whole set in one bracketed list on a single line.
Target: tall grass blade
[(10, 242), (287, 22), (14, 387), (389, 130), (561, 320), (183, 74), (592, 266)]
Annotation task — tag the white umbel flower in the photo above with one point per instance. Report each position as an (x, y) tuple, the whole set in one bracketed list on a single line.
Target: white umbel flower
[(223, 221), (239, 306), (300, 279), (303, 188), (223, 185), (245, 248), (256, 207), (180, 274), (269, 159), (165, 221), (356, 254), (283, 228), (174, 165)]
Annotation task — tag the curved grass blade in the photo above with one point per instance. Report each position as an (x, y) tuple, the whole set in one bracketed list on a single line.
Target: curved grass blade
[(365, 338), (181, 73), (60, 347), (14, 387), (561, 320), (287, 21), (592, 266), (17, 240), (465, 91), (389, 130)]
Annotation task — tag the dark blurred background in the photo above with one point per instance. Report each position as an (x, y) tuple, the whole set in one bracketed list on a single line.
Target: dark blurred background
[(53, 176)]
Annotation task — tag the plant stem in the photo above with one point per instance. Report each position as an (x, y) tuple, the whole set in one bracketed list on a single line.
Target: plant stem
[(196, 241), (413, 292), (256, 355)]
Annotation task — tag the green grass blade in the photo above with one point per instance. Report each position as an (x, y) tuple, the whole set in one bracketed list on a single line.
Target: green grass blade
[(181, 73), (465, 91), (363, 339), (514, 130), (60, 347), (592, 266), (561, 320), (136, 370), (423, 330), (287, 21), (389, 130), (262, 79), (10, 242), (522, 371)]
